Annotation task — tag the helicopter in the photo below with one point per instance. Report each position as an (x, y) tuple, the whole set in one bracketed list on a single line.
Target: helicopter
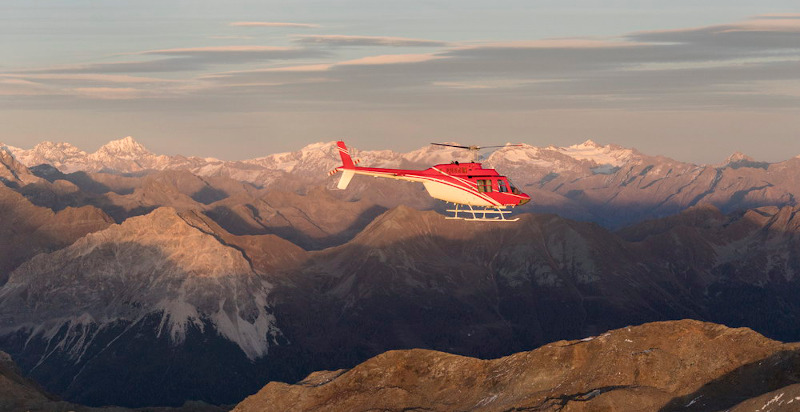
[(478, 194)]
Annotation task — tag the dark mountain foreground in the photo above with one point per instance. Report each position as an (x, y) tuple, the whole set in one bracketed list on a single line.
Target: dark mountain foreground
[(682, 365), (18, 393)]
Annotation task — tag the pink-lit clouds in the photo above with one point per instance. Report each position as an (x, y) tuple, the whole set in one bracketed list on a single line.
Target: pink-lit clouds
[(273, 24), (343, 40)]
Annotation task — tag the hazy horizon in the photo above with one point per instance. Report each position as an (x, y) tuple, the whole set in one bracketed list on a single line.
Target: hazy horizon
[(242, 79)]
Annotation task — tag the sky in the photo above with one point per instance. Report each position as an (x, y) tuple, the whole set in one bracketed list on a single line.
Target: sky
[(236, 79)]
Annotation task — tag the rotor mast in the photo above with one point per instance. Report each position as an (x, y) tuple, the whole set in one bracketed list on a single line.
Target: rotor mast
[(475, 150)]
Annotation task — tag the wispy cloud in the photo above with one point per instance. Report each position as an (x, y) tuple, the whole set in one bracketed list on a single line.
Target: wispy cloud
[(740, 64), (391, 59), (190, 59), (343, 40), (713, 66), (273, 24), (86, 77), (230, 37), (110, 93)]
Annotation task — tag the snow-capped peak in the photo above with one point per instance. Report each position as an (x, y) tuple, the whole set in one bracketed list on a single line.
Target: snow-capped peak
[(127, 148), (601, 155), (11, 149), (588, 143), (738, 157)]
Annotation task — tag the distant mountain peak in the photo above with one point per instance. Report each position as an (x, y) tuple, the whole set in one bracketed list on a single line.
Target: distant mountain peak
[(125, 147), (739, 157), (589, 143), (48, 145)]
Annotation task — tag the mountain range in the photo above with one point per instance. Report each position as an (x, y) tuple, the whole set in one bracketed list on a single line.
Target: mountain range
[(136, 279), (607, 184)]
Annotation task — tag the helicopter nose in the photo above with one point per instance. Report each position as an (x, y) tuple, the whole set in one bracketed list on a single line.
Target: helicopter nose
[(524, 200)]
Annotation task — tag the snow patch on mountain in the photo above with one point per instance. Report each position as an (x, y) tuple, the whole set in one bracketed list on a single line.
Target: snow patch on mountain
[(601, 155), (125, 148)]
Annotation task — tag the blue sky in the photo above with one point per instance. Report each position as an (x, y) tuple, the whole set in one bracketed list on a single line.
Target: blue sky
[(238, 79)]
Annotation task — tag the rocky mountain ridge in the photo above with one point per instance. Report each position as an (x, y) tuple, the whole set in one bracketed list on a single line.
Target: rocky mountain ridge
[(664, 366)]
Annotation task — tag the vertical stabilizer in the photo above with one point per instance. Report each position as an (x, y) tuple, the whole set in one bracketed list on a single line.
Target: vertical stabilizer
[(347, 161)]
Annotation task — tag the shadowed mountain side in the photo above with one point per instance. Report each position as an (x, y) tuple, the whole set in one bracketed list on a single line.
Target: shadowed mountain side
[(638, 368), (751, 380), (26, 230), (137, 294), (746, 263), (413, 279), (100, 321), (20, 394), (786, 399), (314, 220)]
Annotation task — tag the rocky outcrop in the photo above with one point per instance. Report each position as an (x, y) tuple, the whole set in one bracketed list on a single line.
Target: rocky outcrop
[(664, 366)]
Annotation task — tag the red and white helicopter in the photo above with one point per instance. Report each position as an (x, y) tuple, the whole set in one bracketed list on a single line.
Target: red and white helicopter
[(463, 184)]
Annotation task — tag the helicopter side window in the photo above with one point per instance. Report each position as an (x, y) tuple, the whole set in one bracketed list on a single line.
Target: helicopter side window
[(484, 185), (501, 186)]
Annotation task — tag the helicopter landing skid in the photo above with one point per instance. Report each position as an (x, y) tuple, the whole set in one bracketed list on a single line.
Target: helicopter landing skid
[(480, 215)]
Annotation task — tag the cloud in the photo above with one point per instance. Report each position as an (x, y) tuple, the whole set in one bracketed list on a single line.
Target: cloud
[(273, 24), (230, 37), (701, 67), (190, 59), (110, 93), (778, 16), (342, 40), (238, 54), (89, 78), (21, 87), (736, 65), (390, 59)]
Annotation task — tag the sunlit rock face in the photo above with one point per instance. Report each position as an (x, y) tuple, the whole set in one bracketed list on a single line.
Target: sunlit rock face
[(666, 366)]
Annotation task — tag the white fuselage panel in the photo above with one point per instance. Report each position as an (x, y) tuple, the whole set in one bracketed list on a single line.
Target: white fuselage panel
[(453, 194)]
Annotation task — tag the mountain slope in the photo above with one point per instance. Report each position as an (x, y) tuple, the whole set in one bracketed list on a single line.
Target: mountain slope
[(161, 290), (681, 365), (27, 230)]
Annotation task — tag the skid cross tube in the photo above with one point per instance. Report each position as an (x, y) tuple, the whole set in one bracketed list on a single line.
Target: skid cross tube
[(480, 214)]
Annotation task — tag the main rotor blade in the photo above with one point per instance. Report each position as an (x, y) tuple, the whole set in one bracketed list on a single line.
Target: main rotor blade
[(502, 145), (474, 147), (451, 145)]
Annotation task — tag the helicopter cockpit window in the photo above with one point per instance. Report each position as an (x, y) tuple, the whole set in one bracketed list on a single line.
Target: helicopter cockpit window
[(501, 186), (484, 185), (514, 189)]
